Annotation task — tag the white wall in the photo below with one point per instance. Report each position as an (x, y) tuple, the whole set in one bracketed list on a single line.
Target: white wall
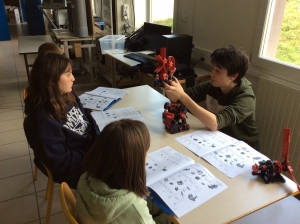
[(218, 23)]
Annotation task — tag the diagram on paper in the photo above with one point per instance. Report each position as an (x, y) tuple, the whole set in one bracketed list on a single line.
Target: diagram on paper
[(234, 159), (102, 118), (188, 188), (112, 93), (94, 102), (163, 162), (204, 141)]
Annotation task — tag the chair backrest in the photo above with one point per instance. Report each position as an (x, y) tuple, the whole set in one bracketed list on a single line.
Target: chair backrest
[(49, 174), (25, 92), (68, 202)]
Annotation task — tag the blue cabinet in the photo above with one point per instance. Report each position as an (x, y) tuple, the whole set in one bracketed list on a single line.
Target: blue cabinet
[(35, 19), (4, 31)]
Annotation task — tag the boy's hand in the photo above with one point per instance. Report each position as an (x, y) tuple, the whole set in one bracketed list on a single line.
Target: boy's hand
[(174, 90)]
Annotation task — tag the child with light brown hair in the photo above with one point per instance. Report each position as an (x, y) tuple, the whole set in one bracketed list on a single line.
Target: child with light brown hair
[(113, 188), (49, 47)]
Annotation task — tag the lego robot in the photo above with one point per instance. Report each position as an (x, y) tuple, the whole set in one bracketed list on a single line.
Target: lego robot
[(174, 118), (165, 68), (270, 170)]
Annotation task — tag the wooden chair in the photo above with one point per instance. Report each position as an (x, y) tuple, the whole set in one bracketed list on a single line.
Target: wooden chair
[(50, 183), (36, 170), (49, 194), (68, 202)]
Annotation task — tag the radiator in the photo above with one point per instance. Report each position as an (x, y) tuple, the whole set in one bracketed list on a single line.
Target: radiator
[(278, 107)]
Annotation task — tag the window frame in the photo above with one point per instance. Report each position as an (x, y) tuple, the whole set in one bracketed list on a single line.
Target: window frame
[(270, 66)]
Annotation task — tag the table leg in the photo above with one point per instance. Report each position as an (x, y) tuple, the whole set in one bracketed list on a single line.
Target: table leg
[(27, 66), (66, 49), (113, 72), (91, 63)]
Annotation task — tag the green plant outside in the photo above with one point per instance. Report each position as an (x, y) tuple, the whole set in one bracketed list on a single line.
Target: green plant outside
[(288, 49), (166, 22)]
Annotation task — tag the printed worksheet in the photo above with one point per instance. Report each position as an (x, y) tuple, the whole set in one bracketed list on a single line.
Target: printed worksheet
[(96, 102), (227, 154), (188, 188), (164, 162), (204, 141), (102, 118), (113, 93), (234, 159)]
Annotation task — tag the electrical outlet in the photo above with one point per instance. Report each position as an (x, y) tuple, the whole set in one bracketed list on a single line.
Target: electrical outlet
[(125, 14)]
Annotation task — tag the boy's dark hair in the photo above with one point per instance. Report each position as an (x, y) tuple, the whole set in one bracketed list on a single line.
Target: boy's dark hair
[(118, 154), (233, 59), (44, 89)]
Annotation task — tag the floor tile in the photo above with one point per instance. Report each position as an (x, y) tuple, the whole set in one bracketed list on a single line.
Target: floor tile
[(19, 210), (8, 79), (21, 68), (57, 218), (41, 182), (36, 222), (10, 115), (16, 186), (14, 150), (43, 203), (4, 110), (15, 166), (9, 89), (8, 70), (10, 98), (12, 136), (11, 106), (19, 62), (11, 125)]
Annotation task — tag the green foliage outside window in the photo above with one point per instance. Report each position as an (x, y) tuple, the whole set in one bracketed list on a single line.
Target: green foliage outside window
[(166, 22), (289, 41)]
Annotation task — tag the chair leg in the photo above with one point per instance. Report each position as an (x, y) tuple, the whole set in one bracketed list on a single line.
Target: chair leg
[(49, 192), (36, 173)]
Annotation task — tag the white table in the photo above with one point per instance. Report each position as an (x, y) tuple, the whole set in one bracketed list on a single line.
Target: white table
[(245, 193), (30, 45)]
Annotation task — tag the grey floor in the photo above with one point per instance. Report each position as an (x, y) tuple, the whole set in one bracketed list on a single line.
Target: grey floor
[(21, 198)]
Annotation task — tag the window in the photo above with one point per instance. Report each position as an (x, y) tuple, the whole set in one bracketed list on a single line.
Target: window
[(162, 12), (277, 45), (154, 11)]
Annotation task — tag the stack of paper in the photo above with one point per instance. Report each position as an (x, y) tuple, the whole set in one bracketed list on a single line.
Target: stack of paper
[(101, 98), (102, 118)]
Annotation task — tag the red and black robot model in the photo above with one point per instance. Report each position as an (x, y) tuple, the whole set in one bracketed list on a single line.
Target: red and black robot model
[(174, 118), (270, 170), (164, 68)]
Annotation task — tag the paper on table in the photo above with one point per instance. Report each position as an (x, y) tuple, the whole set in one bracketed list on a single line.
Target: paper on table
[(227, 154), (205, 141), (164, 162), (96, 102), (102, 118), (101, 98), (234, 159), (188, 188), (113, 93)]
